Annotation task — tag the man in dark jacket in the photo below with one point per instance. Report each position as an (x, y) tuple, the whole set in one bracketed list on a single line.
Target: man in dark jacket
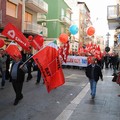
[(93, 72), (17, 76)]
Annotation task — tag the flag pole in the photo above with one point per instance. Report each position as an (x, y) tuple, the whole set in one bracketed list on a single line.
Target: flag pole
[(35, 53)]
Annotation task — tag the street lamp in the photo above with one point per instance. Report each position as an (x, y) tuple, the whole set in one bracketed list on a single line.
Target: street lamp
[(108, 36)]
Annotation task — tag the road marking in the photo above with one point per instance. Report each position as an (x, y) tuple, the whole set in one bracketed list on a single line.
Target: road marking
[(76, 75), (67, 112)]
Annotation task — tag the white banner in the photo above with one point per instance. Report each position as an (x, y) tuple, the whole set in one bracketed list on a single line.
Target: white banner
[(76, 61)]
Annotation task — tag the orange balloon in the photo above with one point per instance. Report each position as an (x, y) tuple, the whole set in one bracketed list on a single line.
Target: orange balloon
[(63, 38), (2, 43), (90, 31)]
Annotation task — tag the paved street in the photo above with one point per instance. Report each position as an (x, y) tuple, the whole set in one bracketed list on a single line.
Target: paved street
[(72, 101), (37, 103)]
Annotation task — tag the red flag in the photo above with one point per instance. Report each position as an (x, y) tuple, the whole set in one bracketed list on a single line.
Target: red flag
[(13, 47), (37, 42), (48, 61), (81, 50), (13, 33), (64, 51), (98, 54)]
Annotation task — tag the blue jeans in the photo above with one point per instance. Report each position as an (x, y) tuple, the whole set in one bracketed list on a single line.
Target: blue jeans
[(93, 85), (38, 75)]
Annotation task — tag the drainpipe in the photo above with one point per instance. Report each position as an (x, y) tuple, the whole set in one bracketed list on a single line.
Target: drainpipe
[(23, 14)]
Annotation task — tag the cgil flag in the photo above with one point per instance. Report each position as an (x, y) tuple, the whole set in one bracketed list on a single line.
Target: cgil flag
[(13, 33), (13, 47), (37, 42), (48, 62), (64, 51)]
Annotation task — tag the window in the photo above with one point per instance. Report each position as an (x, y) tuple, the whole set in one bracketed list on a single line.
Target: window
[(28, 21), (11, 9), (28, 17)]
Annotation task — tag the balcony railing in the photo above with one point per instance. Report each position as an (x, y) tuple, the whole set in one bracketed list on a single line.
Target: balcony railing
[(113, 12), (65, 20), (113, 16), (34, 28), (41, 17), (37, 6)]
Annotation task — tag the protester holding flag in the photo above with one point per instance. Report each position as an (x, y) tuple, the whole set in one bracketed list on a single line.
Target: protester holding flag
[(17, 76)]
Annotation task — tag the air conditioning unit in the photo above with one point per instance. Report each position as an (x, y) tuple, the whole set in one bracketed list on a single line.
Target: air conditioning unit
[(44, 24)]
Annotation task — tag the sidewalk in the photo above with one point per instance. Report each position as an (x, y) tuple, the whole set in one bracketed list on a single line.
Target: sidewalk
[(105, 106)]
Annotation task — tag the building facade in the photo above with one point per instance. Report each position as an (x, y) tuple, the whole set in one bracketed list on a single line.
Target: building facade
[(58, 19), (24, 14), (113, 17)]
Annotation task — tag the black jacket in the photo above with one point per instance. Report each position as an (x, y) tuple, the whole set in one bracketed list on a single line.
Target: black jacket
[(97, 72), (20, 73)]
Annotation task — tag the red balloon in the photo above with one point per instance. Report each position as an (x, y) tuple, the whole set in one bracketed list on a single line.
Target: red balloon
[(30, 38), (90, 31), (2, 43), (63, 38)]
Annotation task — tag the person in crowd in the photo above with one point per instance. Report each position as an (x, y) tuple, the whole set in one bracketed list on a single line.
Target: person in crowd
[(3, 59), (93, 72), (118, 62), (107, 58), (17, 76), (102, 62), (110, 61), (35, 68), (29, 64), (7, 76), (38, 76), (114, 62), (23, 53)]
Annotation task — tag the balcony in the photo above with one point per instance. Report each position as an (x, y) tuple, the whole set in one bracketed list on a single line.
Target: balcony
[(113, 16), (66, 21), (41, 17), (37, 6), (33, 28)]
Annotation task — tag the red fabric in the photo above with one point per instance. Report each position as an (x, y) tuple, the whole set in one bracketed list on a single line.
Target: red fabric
[(98, 54), (13, 33), (13, 51), (37, 42), (48, 62), (64, 51)]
